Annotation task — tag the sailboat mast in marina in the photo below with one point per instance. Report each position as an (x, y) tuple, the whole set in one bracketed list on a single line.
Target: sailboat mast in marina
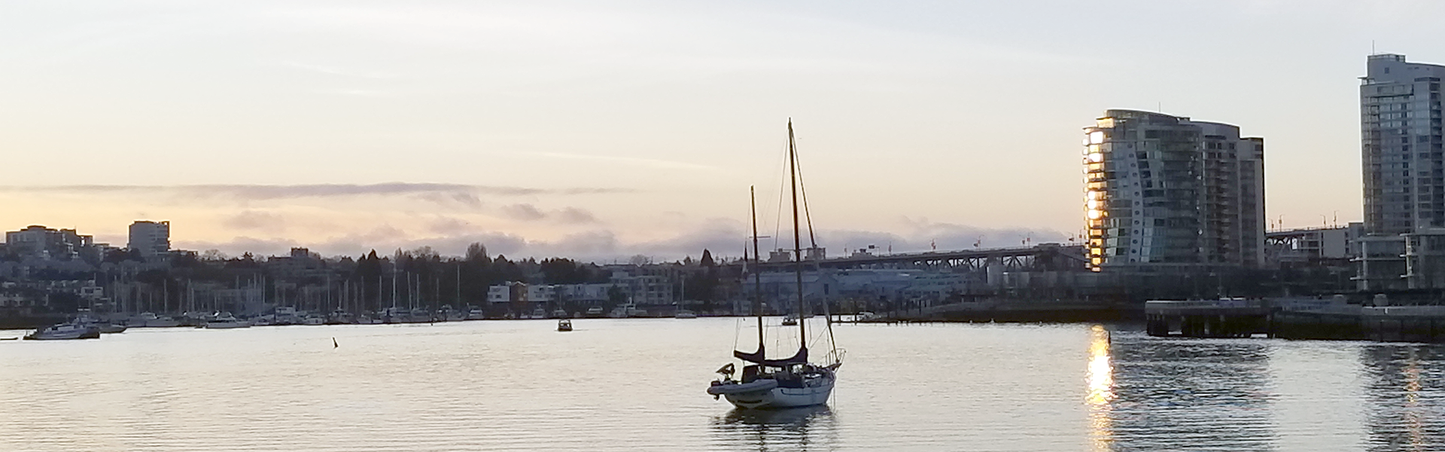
[(787, 382)]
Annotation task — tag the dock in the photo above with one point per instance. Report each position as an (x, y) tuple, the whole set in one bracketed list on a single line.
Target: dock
[(1295, 318)]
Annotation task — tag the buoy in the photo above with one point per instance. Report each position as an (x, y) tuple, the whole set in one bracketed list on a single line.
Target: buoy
[(334, 344)]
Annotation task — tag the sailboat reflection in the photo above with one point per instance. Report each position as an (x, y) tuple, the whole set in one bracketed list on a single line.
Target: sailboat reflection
[(773, 429)]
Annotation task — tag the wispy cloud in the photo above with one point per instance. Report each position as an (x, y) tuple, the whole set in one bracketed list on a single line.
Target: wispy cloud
[(456, 192), (569, 215), (251, 219), (524, 212), (634, 161)]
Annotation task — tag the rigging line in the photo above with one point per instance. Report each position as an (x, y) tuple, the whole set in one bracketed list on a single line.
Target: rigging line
[(803, 189), (782, 187)]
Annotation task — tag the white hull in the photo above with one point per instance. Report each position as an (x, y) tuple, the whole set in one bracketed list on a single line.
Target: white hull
[(227, 325), (64, 332), (781, 397)]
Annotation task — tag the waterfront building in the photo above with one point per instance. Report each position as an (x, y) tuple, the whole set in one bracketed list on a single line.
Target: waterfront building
[(1164, 190), (1310, 246), (1380, 264), (572, 294), (150, 238), (1400, 144), (45, 243), (644, 285), (1425, 258), (1404, 174)]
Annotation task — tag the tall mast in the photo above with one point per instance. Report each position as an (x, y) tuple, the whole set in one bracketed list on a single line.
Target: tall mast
[(797, 241), (757, 271)]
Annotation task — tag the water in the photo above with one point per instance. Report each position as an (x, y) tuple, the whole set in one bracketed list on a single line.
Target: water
[(639, 385)]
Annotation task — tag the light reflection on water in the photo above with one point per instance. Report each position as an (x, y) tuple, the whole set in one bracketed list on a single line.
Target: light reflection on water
[(1101, 389), (639, 385)]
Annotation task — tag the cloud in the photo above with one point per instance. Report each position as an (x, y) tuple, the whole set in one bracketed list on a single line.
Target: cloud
[(568, 215), (525, 212), (725, 238), (467, 194), (644, 162), (241, 245), (574, 215), (449, 225), (250, 219)]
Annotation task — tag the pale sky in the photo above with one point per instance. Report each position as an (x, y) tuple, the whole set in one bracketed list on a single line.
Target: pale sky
[(600, 130)]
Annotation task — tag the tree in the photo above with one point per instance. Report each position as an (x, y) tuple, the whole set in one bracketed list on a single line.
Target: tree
[(563, 271), (706, 260), (616, 296), (477, 253), (504, 270), (214, 255)]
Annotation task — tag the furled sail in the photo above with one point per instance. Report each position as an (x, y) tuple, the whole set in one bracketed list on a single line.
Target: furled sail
[(758, 358)]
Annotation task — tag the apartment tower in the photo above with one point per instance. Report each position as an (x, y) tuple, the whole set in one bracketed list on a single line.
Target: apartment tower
[(1163, 190), (1400, 147), (150, 238)]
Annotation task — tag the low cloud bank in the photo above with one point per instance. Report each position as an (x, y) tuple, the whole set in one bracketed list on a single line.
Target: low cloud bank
[(724, 239)]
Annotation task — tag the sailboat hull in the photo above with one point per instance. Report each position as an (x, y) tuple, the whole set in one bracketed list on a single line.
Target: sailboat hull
[(780, 397)]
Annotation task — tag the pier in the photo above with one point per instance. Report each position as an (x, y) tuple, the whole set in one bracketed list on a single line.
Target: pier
[(1295, 318), (1230, 317)]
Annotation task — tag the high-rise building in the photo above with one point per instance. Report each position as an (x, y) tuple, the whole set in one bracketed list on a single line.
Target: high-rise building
[(1404, 175), (150, 238), (1165, 190), (1400, 143)]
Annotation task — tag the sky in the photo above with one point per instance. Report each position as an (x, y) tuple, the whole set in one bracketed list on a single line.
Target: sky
[(601, 130)]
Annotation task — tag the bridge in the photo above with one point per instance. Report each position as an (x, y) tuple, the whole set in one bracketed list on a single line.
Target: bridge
[(1043, 257)]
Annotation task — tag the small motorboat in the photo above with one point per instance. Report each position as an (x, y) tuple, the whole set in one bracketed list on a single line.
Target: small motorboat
[(73, 330), (564, 325), (224, 321)]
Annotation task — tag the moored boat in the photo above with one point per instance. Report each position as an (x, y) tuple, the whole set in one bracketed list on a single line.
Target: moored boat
[(225, 321), (63, 331), (564, 325), (151, 320), (781, 382)]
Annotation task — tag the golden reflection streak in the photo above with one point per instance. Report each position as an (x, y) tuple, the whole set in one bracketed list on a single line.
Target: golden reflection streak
[(1413, 419), (1100, 377)]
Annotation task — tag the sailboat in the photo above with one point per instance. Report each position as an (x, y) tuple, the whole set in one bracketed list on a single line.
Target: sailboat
[(791, 382)]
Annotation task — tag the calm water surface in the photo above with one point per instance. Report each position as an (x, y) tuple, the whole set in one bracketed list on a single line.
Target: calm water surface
[(639, 385)]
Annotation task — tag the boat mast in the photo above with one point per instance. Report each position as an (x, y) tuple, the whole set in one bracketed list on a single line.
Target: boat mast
[(797, 240), (757, 271)]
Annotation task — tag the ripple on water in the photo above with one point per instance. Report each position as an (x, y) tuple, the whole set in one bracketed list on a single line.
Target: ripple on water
[(638, 385)]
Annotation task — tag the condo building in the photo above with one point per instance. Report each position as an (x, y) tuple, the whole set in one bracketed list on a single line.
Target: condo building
[(1404, 175), (150, 238), (1163, 190)]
